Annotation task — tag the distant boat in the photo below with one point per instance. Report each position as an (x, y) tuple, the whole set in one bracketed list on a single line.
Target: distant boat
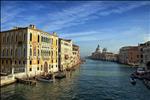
[(133, 81)]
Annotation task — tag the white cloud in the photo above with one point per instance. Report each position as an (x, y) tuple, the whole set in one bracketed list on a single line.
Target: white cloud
[(91, 10), (79, 34), (65, 17), (123, 8)]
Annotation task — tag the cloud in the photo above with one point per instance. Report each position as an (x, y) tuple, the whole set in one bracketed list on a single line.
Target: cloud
[(88, 11), (52, 17), (78, 34), (73, 15), (123, 8)]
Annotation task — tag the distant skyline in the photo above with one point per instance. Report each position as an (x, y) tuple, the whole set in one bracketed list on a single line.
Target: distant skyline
[(111, 24)]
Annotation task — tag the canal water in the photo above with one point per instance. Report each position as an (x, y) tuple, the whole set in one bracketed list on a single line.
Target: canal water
[(94, 80)]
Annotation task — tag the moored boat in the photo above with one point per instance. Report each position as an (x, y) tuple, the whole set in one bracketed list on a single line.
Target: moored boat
[(60, 75), (44, 79)]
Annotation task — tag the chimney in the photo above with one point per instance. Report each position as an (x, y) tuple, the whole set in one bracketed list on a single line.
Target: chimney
[(32, 26)]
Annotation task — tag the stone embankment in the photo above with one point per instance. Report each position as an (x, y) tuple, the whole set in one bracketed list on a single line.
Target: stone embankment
[(12, 78)]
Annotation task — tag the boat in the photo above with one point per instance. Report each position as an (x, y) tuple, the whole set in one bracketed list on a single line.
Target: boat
[(44, 79), (133, 81), (60, 75)]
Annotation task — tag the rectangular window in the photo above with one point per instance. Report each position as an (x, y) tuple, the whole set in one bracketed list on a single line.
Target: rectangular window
[(19, 62), (24, 62), (56, 42), (41, 67), (52, 41), (15, 62), (30, 36), (6, 61), (30, 62), (37, 68), (38, 38), (30, 69)]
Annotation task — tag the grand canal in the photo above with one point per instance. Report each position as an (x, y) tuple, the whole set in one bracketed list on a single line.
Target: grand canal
[(94, 80)]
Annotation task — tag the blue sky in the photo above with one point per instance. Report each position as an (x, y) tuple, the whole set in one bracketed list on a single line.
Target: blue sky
[(112, 24)]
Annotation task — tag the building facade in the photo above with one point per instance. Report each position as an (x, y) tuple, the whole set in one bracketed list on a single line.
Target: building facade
[(28, 50), (97, 53), (145, 55), (129, 55), (54, 52), (104, 55), (65, 54), (13, 50), (75, 54)]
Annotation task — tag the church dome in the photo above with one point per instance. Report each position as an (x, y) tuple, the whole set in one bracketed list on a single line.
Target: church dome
[(98, 49)]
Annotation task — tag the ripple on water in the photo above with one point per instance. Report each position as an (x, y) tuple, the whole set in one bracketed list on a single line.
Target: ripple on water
[(94, 80)]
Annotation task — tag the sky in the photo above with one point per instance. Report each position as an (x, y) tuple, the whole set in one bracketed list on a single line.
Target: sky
[(111, 24)]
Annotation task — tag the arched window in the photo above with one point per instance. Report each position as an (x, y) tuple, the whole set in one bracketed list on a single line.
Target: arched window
[(30, 52), (38, 38), (11, 39), (4, 39), (56, 42), (7, 39), (30, 36), (19, 52)]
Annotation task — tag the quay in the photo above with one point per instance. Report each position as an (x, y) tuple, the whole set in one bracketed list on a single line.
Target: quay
[(6, 80), (32, 80)]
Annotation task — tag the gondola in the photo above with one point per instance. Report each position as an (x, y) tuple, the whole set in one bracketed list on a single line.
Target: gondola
[(44, 79), (133, 81)]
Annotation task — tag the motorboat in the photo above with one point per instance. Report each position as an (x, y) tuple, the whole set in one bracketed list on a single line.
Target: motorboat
[(133, 81)]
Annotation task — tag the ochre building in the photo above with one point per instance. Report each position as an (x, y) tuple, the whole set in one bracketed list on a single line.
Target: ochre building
[(29, 51)]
